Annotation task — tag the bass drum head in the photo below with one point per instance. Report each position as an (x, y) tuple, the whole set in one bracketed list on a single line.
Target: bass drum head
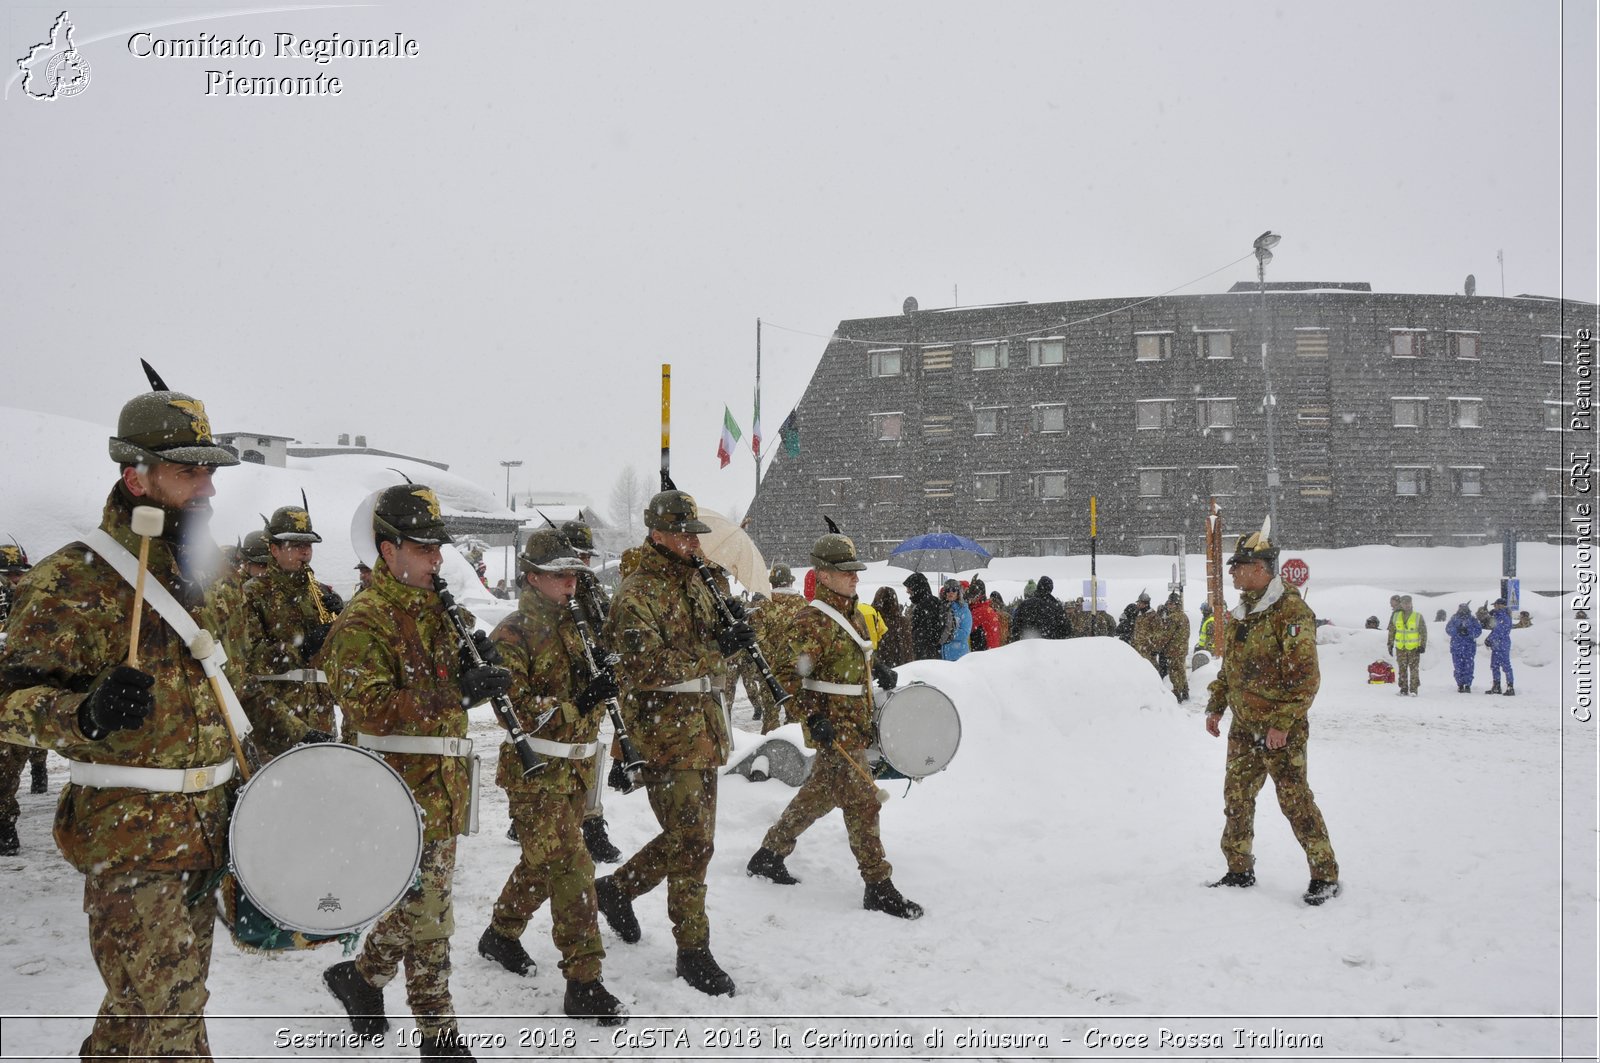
[(325, 838), (918, 730)]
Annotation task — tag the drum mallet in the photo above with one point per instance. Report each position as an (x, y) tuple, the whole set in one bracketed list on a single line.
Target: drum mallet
[(201, 647), (147, 523), (882, 794)]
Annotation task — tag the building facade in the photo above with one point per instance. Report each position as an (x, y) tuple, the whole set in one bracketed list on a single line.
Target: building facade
[(1400, 419)]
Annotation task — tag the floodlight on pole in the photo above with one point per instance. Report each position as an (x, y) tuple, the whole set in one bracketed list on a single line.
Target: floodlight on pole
[(1263, 247)]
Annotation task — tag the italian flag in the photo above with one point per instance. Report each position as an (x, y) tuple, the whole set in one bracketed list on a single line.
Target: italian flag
[(755, 429), (730, 436)]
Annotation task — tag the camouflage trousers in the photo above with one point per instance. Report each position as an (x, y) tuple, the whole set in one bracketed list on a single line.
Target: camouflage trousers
[(1178, 672), (760, 697), (1406, 669), (153, 950), (685, 804), (417, 931), (1249, 764), (555, 866), (835, 784), (12, 758)]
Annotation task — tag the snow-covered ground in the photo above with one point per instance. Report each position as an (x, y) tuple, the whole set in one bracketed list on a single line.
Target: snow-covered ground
[(1061, 859)]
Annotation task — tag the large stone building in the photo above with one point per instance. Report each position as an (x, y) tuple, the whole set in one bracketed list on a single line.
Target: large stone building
[(1401, 419)]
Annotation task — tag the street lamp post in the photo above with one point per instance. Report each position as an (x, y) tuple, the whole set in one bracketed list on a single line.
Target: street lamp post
[(505, 574), (1264, 245)]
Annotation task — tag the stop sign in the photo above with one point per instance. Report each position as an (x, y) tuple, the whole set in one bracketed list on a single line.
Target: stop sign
[(1295, 572)]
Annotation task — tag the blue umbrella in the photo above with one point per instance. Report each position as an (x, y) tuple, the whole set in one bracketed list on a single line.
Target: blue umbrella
[(939, 552)]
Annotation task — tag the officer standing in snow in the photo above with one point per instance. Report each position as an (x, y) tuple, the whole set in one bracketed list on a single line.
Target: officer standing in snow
[(1499, 643), (828, 664), (541, 645), (1269, 678), (1463, 629), (13, 563), (145, 815), (1408, 641), (672, 647)]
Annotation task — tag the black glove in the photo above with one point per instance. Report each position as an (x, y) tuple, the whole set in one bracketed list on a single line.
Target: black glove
[(483, 682), (487, 650), (887, 677), (737, 637), (603, 687), (821, 729), (119, 702), (736, 607), (315, 737), (311, 645), (332, 602)]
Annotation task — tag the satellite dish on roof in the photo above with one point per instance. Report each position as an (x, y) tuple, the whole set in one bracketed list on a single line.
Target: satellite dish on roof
[(909, 306), (1471, 286)]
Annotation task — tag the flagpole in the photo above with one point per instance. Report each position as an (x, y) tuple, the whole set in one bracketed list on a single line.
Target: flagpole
[(755, 441)]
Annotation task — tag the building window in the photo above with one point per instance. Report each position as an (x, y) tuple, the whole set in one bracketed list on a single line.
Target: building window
[(996, 547), (1051, 350), (1466, 345), (1468, 482), (886, 426), (1050, 547), (1216, 413), (1410, 411), (989, 486), (1411, 481), (989, 420), (886, 362), (1555, 416), (1556, 483), (831, 492), (880, 548), (1406, 343), (935, 425), (991, 355), (263, 442), (886, 490), (1551, 349), (1155, 413), (1413, 540), (1215, 344), (1222, 480), (1152, 346), (1050, 419), (1051, 484), (1158, 545), (1466, 413), (1155, 483)]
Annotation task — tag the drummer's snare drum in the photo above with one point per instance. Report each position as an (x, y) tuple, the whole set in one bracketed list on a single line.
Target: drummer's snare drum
[(917, 731), (325, 838)]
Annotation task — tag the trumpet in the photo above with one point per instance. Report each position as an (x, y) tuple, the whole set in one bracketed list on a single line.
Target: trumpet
[(504, 711), (730, 617), (632, 762)]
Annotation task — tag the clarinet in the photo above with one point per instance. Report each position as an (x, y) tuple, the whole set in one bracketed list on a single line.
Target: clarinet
[(730, 618), (532, 762), (632, 762)]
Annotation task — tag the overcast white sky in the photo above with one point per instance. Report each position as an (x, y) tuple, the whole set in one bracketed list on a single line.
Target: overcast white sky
[(554, 198)]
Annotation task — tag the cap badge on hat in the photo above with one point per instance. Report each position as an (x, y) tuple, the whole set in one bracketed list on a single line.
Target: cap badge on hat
[(197, 417), (430, 499), (300, 519)]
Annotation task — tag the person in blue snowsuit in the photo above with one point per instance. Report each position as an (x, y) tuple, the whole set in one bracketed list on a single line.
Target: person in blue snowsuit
[(957, 647), (1499, 641), (1463, 629)]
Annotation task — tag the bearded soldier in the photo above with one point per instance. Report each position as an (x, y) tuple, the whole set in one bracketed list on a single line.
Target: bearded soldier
[(828, 664), (288, 614), (665, 627), (145, 815), (541, 645), (404, 682), (1269, 677)]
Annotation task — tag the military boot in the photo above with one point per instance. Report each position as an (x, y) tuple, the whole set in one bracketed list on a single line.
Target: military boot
[(362, 1000), (883, 897), (1242, 879), (10, 844), (769, 865), (444, 1044), (617, 908), (700, 970), (40, 782), (506, 951), (1495, 689), (591, 1000), (1511, 691), (1321, 891), (599, 846)]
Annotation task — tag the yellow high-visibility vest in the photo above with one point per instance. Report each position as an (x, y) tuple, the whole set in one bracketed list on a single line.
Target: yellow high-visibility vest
[(1406, 635)]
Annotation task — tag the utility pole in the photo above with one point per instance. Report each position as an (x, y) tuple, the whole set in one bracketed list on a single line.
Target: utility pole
[(1264, 245)]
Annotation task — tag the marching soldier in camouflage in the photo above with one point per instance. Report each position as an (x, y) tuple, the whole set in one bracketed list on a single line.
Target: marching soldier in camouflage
[(1269, 677), (665, 628), (828, 665), (288, 614), (145, 816), (13, 563), (591, 599), (774, 624), (550, 680), (399, 672)]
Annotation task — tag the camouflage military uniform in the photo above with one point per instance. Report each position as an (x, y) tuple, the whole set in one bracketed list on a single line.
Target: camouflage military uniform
[(393, 662), (819, 650), (1269, 677), (281, 608), (662, 625), (540, 644), (1162, 638), (141, 851), (774, 624)]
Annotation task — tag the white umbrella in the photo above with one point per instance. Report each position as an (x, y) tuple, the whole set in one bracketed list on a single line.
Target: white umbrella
[(729, 546)]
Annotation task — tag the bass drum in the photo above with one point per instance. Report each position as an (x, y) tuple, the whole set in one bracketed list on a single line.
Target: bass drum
[(917, 731), (325, 839)]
